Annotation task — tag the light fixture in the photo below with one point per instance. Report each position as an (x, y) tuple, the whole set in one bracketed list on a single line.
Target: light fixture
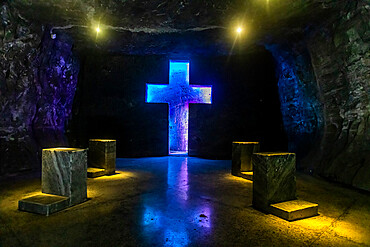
[(239, 30), (52, 35)]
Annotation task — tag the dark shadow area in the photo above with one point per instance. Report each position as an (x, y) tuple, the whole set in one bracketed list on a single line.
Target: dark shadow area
[(110, 103)]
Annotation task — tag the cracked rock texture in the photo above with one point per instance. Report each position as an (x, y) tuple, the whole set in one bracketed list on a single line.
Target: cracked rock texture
[(37, 84), (341, 60), (324, 86)]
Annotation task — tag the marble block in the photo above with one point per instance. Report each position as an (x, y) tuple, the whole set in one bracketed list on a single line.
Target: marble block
[(242, 156), (273, 179), (64, 173), (294, 210), (43, 204), (102, 154)]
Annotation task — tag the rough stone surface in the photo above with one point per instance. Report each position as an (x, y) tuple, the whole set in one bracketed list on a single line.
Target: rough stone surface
[(18, 93), (102, 154), (300, 105), (341, 60), (38, 78), (242, 156), (64, 173), (325, 96), (273, 179), (57, 71)]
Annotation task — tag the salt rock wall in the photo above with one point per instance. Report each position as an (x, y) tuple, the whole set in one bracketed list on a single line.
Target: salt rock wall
[(299, 99), (57, 72), (324, 86), (341, 60), (37, 83)]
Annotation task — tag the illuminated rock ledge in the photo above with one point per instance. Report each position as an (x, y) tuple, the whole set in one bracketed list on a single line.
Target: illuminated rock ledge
[(247, 175), (95, 172), (43, 204), (294, 210)]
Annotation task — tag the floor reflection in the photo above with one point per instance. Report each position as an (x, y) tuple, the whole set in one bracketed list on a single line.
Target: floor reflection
[(170, 218)]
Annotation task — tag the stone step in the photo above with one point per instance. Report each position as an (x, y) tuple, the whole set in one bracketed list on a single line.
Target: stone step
[(95, 172), (44, 204), (247, 175), (294, 210)]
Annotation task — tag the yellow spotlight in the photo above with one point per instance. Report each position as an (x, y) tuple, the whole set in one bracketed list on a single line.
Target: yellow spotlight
[(239, 30), (97, 29)]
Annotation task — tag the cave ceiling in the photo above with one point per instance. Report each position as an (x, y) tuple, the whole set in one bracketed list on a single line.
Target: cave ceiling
[(179, 26)]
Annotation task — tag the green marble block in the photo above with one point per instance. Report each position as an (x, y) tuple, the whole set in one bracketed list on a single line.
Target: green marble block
[(242, 156), (64, 173), (102, 154), (273, 179)]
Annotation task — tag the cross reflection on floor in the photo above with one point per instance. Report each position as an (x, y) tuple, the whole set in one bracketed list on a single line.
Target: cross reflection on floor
[(179, 217)]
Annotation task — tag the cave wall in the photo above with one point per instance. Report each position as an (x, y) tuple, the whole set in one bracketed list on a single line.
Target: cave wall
[(299, 98), (325, 93), (38, 77), (18, 93)]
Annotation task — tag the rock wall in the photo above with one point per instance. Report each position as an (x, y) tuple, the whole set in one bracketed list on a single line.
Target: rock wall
[(341, 60), (324, 86), (37, 82), (18, 93), (300, 105)]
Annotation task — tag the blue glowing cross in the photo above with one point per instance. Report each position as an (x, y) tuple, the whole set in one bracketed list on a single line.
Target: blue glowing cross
[(178, 94)]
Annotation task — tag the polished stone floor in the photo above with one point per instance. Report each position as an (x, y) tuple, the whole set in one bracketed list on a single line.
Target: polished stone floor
[(181, 201)]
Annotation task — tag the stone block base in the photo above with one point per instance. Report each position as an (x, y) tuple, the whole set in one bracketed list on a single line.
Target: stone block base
[(64, 173), (102, 154), (294, 210), (242, 157), (95, 172), (247, 175), (44, 204), (273, 179)]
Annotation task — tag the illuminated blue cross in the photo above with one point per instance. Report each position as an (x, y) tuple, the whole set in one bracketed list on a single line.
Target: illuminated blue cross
[(178, 94)]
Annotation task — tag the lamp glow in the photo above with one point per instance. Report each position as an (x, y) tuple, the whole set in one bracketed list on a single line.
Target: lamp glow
[(97, 29), (239, 30)]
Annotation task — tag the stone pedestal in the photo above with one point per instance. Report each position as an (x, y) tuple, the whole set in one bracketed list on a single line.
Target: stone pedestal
[(294, 210), (242, 157), (274, 179), (43, 204), (102, 154), (63, 181), (64, 173)]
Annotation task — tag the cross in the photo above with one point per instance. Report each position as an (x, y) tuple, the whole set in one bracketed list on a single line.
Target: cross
[(178, 94)]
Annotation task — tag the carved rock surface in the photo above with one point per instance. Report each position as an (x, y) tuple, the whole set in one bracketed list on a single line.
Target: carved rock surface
[(341, 61), (18, 93), (325, 96), (37, 83)]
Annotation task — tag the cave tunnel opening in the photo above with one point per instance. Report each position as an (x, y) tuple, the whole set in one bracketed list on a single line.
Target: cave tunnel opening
[(110, 103)]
